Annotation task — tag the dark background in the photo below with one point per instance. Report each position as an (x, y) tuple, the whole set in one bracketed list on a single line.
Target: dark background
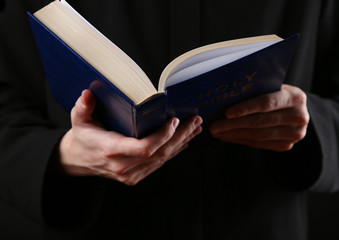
[(323, 216), (323, 220)]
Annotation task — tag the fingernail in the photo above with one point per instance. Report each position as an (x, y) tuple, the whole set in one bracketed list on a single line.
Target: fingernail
[(175, 123), (197, 122)]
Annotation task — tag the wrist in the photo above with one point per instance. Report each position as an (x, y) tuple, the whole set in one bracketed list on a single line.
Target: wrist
[(62, 163)]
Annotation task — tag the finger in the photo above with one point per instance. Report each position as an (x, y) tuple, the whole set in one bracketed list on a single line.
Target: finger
[(83, 109), (196, 132), (141, 171), (287, 97), (170, 134), (145, 147), (185, 131), (122, 165), (135, 174), (168, 151), (277, 145), (292, 117), (124, 153), (284, 133)]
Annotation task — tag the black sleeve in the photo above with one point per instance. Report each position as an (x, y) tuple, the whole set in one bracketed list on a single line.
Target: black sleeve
[(28, 139), (313, 162), (324, 108)]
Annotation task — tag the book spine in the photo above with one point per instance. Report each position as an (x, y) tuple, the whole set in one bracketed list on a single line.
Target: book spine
[(150, 115), (113, 110)]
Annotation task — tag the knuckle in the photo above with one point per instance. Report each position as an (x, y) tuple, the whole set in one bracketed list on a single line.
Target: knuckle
[(262, 120), (299, 97), (304, 119), (144, 150), (118, 169), (269, 103), (300, 134), (159, 158), (257, 121), (106, 150), (160, 162), (165, 152)]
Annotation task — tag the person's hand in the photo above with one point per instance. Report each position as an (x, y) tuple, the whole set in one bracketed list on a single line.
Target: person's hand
[(274, 121), (89, 150)]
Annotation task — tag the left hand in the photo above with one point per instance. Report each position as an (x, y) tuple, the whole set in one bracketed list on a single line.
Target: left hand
[(274, 121)]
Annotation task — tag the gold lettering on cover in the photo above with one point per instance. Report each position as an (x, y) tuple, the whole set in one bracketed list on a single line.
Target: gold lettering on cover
[(149, 110), (203, 104), (247, 87), (234, 93), (237, 83), (224, 91), (213, 100), (221, 97), (221, 88), (249, 78), (208, 94)]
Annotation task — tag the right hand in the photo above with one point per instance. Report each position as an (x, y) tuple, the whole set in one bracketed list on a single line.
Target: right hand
[(87, 149)]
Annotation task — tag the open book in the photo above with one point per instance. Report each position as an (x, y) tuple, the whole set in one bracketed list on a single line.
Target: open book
[(202, 81)]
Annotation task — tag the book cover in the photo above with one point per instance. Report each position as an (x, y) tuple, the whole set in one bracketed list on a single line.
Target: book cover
[(208, 94)]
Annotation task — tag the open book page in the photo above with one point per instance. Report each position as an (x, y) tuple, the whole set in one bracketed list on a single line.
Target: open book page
[(129, 61), (97, 50), (209, 52), (210, 60)]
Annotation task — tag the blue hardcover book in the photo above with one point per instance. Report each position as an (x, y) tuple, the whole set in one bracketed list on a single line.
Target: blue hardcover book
[(203, 81)]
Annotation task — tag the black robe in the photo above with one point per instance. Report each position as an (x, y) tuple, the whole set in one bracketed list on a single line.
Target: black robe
[(213, 190)]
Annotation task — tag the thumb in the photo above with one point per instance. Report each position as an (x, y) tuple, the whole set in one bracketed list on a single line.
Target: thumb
[(83, 109)]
